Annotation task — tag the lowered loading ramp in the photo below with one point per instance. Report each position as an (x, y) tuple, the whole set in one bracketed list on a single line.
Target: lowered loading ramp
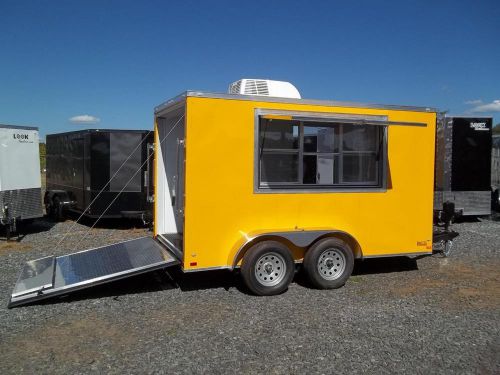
[(52, 276)]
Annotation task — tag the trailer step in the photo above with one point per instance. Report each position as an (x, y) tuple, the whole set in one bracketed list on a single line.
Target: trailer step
[(52, 276)]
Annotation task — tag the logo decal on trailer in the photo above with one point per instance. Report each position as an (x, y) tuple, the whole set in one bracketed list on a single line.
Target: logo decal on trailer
[(22, 138), (479, 126), (427, 244)]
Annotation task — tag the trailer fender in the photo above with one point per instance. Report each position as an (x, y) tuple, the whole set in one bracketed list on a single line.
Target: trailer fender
[(297, 241)]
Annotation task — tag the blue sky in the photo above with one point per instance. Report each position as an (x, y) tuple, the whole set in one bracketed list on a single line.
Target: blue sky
[(117, 60)]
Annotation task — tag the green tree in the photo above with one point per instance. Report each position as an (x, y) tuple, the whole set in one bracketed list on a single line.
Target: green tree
[(496, 129)]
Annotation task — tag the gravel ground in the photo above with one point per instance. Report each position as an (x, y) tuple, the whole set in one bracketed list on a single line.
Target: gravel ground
[(427, 315)]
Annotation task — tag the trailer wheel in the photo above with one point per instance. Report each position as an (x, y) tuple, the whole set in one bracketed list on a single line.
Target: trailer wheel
[(495, 200), (268, 268), (329, 263), (57, 209)]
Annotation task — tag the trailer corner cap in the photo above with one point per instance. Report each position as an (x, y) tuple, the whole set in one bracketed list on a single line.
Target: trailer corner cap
[(51, 276)]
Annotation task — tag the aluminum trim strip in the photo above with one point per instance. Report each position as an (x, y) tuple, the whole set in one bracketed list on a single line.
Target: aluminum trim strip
[(170, 103), (337, 117), (270, 99), (472, 116), (396, 255), (169, 245), (218, 268), (329, 103), (293, 190), (206, 269)]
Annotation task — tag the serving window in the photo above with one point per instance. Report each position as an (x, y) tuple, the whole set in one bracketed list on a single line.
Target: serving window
[(319, 154)]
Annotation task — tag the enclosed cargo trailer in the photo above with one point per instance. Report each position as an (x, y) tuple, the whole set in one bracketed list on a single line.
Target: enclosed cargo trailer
[(20, 179), (495, 173), (262, 184), (463, 164), (93, 172)]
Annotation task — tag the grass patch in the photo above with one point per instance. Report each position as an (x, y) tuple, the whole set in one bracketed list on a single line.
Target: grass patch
[(356, 279), (6, 247)]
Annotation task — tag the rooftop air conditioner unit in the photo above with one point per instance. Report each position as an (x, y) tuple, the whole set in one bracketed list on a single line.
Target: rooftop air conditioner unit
[(264, 87)]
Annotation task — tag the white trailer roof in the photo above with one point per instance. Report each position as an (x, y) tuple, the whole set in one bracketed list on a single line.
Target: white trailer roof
[(5, 126)]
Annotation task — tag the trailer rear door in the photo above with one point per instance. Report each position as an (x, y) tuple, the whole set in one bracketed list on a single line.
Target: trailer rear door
[(170, 173), (52, 276)]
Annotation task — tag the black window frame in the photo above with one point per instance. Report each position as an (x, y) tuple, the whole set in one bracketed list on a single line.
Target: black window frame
[(379, 184)]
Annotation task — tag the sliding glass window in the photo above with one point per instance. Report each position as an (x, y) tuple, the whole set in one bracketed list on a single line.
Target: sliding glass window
[(316, 154)]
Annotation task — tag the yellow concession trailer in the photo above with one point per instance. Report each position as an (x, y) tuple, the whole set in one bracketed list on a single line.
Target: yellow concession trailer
[(264, 183), (260, 184)]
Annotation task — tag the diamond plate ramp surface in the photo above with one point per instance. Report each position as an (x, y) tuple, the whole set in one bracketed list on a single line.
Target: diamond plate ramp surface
[(43, 278)]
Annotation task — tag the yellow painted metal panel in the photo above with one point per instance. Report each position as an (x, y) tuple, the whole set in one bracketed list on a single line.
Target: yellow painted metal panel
[(221, 207)]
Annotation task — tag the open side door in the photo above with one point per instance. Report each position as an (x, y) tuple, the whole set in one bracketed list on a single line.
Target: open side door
[(52, 276)]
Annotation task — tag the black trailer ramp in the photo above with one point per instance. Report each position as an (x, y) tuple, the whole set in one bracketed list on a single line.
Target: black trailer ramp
[(51, 276)]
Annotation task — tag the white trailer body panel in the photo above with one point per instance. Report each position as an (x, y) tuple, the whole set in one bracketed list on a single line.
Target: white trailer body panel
[(19, 158), (20, 180)]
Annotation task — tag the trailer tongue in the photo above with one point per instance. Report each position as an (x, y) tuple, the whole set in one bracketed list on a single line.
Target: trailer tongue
[(51, 276)]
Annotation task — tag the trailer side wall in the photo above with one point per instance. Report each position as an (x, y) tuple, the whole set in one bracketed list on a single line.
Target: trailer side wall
[(222, 208)]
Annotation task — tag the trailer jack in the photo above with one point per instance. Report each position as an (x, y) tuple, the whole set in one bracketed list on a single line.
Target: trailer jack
[(442, 237), (9, 222), (443, 242)]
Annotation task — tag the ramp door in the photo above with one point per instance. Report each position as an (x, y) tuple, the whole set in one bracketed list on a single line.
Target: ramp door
[(52, 276)]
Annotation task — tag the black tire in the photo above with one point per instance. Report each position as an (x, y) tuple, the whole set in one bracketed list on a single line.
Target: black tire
[(276, 263), (495, 200), (57, 209), (329, 263), (48, 209)]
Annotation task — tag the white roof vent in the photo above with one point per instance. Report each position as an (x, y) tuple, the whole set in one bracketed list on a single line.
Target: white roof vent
[(264, 87)]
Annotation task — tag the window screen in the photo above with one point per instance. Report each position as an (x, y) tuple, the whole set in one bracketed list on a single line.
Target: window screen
[(319, 154)]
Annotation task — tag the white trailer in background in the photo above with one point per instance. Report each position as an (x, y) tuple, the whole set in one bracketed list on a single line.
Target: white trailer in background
[(20, 180)]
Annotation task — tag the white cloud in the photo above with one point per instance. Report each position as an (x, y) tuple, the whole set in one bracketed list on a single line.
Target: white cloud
[(474, 102), (494, 106), (84, 119)]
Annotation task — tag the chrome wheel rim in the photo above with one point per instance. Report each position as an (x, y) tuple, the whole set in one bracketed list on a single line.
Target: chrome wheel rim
[(331, 264), (270, 269)]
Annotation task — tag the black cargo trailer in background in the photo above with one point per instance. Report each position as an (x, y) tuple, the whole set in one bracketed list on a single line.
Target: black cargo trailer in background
[(495, 173), (463, 164), (81, 163)]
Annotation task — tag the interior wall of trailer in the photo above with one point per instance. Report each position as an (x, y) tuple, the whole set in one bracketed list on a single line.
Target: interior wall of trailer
[(169, 212)]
